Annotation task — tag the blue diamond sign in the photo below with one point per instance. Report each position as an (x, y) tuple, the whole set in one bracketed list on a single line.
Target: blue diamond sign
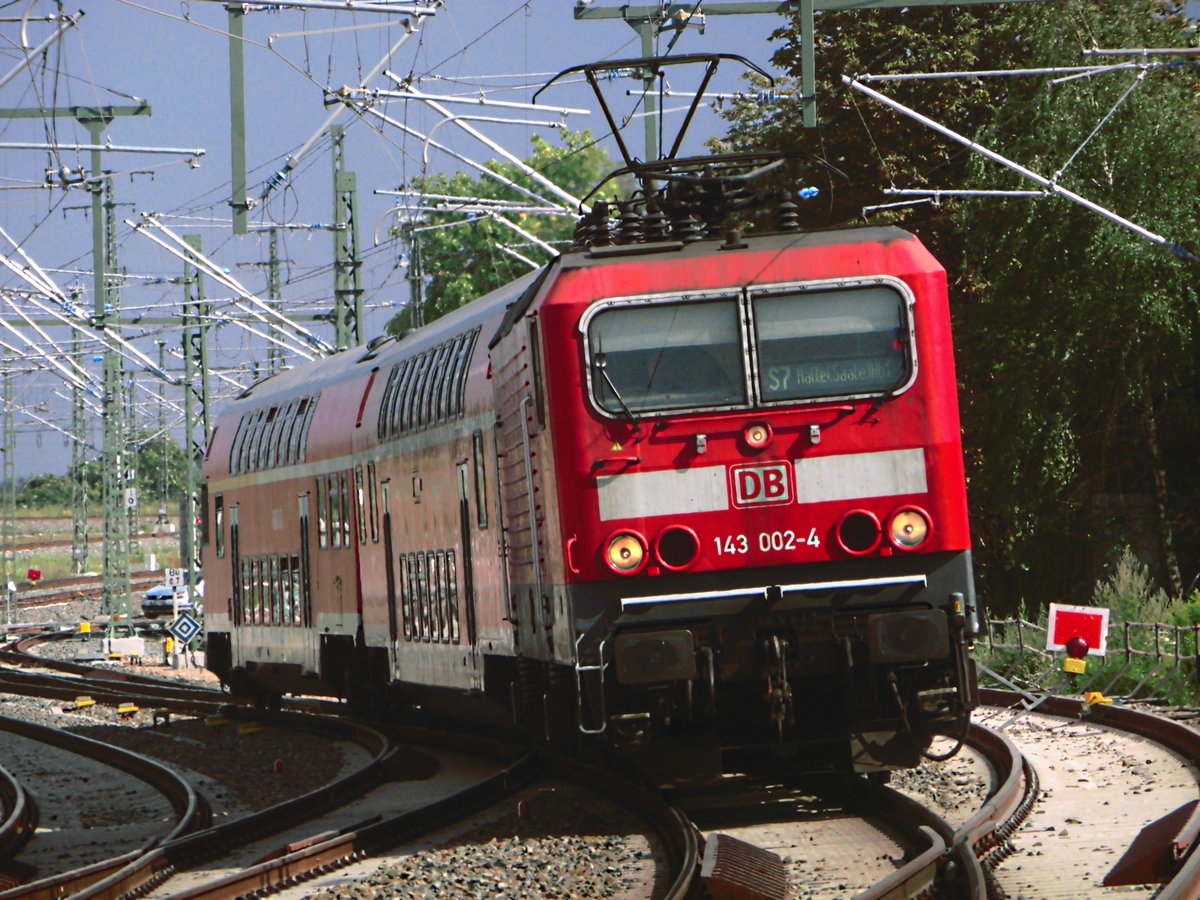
[(184, 628)]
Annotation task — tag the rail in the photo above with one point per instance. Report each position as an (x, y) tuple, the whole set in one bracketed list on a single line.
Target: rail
[(19, 824), (192, 812), (1185, 880)]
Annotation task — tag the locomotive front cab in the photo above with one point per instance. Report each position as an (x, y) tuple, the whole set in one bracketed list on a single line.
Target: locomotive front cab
[(772, 545)]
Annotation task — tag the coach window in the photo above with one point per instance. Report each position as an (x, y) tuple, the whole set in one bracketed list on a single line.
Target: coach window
[(416, 390), (241, 593), (322, 515), (436, 409), (832, 343), (395, 410), (386, 426), (360, 498), (262, 601), (219, 523), (333, 502), (373, 502), (276, 592), (251, 590), (262, 440), (480, 480), (433, 609), (283, 439), (235, 450), (270, 448), (664, 356), (408, 592), (241, 443), (285, 589), (451, 586), (308, 408), (464, 369), (428, 413), (344, 481)]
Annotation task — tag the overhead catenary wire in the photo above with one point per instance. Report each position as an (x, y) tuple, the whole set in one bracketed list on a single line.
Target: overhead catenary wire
[(258, 308), (521, 165), (295, 276), (477, 166), (1047, 183), (67, 312)]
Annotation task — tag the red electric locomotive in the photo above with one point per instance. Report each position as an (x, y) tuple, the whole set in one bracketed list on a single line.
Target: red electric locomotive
[(669, 487)]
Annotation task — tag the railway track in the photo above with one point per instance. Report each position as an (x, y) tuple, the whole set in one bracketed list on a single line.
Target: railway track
[(142, 864), (526, 807), (158, 804), (1118, 800), (84, 587), (973, 853)]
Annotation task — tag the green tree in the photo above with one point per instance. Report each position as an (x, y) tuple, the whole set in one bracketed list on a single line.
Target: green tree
[(161, 464), (1079, 353), (44, 491), (860, 146), (161, 471), (464, 261), (1076, 338)]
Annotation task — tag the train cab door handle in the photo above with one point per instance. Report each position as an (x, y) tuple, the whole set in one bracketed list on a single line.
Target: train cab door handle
[(570, 554)]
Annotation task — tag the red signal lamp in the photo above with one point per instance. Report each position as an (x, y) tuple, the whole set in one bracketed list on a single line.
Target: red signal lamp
[(1077, 648)]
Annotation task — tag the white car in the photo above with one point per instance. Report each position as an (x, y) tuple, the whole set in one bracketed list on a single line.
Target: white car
[(165, 599)]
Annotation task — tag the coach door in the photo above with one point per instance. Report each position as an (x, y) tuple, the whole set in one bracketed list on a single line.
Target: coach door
[(468, 571), (390, 569), (304, 601), (520, 409), (235, 568)]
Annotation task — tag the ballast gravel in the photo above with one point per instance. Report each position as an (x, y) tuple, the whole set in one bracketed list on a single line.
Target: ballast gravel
[(89, 812), (551, 842)]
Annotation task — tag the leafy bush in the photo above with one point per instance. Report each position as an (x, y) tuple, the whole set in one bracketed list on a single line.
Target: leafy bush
[(1151, 652)]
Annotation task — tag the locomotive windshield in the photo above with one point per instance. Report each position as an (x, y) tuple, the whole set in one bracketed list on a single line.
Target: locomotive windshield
[(831, 343), (668, 356), (810, 343)]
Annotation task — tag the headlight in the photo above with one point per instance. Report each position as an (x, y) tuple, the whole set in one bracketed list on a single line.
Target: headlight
[(909, 528), (626, 552), (757, 435)]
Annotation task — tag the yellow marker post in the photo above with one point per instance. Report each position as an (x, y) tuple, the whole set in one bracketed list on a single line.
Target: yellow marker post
[(1074, 666)]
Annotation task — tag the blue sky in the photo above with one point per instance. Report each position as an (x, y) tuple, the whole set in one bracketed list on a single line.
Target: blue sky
[(174, 55)]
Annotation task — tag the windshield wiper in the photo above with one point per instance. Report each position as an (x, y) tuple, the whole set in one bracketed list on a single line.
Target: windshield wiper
[(600, 362)]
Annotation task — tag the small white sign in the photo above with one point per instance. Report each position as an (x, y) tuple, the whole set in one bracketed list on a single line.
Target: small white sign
[(131, 498), (1086, 623), (174, 577)]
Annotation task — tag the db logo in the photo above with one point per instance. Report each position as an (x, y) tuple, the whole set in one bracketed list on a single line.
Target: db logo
[(761, 485)]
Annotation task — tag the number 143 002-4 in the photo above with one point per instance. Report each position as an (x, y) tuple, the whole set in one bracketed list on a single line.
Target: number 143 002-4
[(765, 542)]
